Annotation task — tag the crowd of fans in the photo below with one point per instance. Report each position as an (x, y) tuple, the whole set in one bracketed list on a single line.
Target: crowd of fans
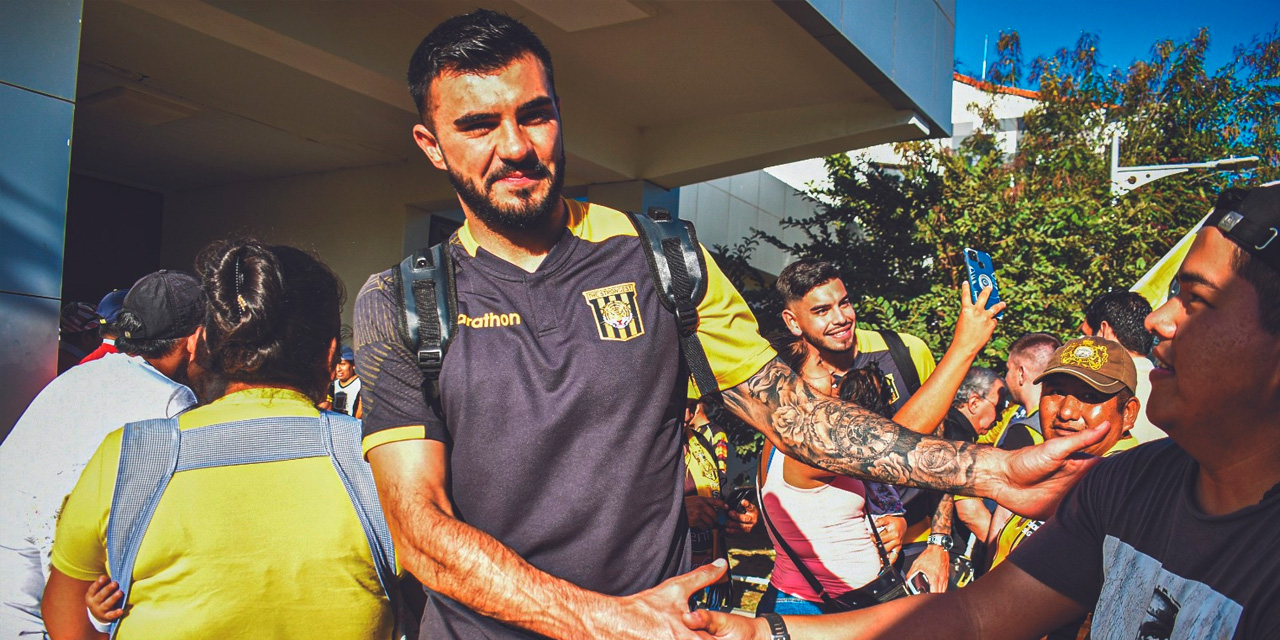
[(273, 482)]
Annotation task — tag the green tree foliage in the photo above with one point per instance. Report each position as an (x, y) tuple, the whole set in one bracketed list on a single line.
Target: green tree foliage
[(1046, 214)]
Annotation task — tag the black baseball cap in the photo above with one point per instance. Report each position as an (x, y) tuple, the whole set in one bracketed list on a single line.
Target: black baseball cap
[(1251, 219), (167, 304)]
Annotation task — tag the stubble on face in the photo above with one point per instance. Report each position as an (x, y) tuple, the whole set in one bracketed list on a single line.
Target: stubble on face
[(813, 320), (530, 212)]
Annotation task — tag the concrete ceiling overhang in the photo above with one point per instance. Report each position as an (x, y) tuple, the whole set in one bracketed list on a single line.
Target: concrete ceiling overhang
[(183, 94)]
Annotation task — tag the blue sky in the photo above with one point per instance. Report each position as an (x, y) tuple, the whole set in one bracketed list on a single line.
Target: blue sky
[(1126, 28)]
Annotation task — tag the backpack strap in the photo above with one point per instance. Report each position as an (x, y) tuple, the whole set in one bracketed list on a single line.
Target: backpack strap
[(148, 457), (427, 294), (902, 358), (153, 450), (679, 272), (343, 442)]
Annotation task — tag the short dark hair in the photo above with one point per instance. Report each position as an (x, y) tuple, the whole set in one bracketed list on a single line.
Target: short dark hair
[(478, 42), (1266, 282), (1125, 312), (126, 321), (274, 312), (802, 276), (977, 382)]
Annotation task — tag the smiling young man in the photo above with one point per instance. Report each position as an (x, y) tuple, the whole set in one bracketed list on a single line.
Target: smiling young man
[(817, 310), (1169, 540), (548, 501)]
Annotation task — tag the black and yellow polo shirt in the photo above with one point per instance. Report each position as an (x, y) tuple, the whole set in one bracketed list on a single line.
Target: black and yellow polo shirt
[(563, 391)]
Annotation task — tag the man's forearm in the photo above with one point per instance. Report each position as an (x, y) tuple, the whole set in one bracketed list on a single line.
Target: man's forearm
[(63, 608), (465, 564), (849, 440), (926, 408)]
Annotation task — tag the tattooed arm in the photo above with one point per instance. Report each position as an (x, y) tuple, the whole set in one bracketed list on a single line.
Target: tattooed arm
[(849, 440)]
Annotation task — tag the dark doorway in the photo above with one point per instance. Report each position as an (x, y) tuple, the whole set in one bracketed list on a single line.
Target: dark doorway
[(113, 237)]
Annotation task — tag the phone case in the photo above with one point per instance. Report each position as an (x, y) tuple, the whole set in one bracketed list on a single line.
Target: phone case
[(982, 274)]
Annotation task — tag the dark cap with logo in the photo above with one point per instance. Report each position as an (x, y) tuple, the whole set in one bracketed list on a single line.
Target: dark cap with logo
[(1100, 363), (165, 304), (1251, 218)]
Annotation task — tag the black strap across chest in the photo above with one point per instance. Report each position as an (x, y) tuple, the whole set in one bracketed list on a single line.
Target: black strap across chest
[(425, 288)]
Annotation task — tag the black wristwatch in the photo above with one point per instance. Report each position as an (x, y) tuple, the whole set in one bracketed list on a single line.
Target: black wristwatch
[(777, 628), (942, 540)]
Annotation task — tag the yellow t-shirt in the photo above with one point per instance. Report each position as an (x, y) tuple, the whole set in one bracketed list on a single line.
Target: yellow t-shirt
[(269, 550)]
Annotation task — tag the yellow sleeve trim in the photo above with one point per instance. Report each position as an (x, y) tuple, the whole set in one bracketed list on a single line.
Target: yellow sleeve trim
[(597, 223), (394, 434), (728, 332)]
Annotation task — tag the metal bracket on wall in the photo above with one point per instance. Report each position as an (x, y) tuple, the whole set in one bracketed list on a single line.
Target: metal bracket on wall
[(1126, 179)]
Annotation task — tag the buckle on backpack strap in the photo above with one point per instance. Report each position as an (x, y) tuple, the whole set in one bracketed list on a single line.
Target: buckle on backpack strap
[(686, 319), (430, 359)]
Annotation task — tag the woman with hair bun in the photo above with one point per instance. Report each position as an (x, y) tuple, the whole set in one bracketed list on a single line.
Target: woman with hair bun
[(271, 541)]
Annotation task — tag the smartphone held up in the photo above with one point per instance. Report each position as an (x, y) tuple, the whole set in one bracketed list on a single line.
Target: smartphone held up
[(982, 274)]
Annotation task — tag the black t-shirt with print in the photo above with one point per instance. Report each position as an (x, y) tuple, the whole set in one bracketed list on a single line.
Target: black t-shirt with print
[(1131, 540)]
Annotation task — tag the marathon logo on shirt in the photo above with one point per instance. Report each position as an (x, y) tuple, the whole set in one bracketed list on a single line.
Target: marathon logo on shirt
[(490, 320), (616, 313)]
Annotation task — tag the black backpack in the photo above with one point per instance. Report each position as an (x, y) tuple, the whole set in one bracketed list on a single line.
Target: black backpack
[(426, 291)]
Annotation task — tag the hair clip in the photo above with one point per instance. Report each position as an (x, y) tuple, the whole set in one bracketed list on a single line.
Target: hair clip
[(239, 297)]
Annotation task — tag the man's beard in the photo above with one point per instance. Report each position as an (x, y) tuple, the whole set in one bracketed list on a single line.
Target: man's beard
[(828, 345), (530, 213)]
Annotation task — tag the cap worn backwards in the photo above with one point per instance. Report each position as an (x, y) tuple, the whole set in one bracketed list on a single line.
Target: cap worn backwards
[(168, 304), (1251, 219), (111, 305)]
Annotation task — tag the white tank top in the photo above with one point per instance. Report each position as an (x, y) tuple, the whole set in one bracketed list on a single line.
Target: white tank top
[(826, 527)]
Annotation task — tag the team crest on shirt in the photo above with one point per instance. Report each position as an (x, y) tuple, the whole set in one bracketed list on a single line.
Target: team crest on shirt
[(893, 388), (1088, 354), (616, 313)]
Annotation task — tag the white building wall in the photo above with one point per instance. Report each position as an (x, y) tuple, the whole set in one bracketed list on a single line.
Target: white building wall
[(1007, 108), (726, 210)]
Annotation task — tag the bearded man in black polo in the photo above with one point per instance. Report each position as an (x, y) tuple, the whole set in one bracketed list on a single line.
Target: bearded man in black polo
[(549, 501)]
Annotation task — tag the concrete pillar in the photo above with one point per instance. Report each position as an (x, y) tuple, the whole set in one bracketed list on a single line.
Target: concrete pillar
[(39, 52), (634, 195)]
